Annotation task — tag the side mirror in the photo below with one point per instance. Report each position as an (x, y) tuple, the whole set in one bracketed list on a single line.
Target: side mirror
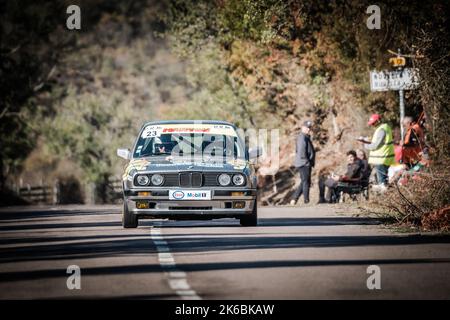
[(254, 153), (124, 153)]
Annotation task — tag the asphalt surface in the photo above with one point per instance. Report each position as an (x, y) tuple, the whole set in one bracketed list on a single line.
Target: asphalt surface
[(315, 252)]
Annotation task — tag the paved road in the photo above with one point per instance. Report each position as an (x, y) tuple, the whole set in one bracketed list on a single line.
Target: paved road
[(315, 252)]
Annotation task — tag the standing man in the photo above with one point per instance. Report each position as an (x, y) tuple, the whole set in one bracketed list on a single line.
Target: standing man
[(381, 149), (304, 161)]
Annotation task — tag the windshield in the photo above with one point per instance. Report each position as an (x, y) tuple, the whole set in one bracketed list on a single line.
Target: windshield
[(204, 140)]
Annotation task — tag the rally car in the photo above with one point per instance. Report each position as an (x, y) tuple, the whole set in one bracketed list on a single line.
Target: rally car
[(190, 169)]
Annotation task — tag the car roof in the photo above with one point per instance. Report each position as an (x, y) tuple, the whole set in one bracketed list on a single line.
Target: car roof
[(190, 122)]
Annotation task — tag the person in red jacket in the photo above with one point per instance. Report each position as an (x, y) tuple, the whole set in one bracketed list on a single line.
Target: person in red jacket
[(413, 143)]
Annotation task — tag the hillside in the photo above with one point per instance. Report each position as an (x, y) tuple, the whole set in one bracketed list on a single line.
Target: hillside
[(70, 98)]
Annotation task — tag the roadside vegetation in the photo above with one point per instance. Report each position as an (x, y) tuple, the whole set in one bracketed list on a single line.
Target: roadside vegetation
[(70, 98)]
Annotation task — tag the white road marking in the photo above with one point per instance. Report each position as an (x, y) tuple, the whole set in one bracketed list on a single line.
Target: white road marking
[(187, 292), (179, 284), (177, 274), (176, 278)]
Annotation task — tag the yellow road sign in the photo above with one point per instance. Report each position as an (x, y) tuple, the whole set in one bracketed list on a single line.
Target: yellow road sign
[(397, 61)]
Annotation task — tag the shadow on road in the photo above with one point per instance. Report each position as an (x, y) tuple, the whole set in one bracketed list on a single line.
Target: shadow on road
[(313, 222), (277, 222), (188, 243), (195, 267), (85, 248), (223, 223), (127, 297), (20, 214), (42, 239), (139, 244), (45, 226)]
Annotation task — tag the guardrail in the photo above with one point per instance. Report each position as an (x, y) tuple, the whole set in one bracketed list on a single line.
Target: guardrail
[(58, 193), (39, 194), (113, 191)]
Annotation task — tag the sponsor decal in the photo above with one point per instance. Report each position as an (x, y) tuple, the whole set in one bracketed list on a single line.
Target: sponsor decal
[(139, 164), (190, 194), (178, 194), (196, 195), (151, 131), (186, 130)]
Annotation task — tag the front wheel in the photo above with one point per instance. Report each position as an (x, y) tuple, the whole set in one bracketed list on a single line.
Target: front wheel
[(129, 219), (250, 220)]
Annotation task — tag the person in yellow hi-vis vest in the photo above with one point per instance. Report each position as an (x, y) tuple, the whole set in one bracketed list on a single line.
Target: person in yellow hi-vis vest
[(381, 148)]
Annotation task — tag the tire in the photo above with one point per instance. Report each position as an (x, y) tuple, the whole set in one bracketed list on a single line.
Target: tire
[(250, 220), (129, 220)]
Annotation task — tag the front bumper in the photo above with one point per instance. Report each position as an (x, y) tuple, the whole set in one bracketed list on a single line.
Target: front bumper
[(222, 204)]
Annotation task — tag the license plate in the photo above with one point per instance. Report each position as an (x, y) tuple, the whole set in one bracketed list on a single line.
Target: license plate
[(189, 194)]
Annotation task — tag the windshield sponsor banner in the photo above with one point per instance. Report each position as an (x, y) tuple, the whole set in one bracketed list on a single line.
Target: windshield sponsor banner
[(213, 129)]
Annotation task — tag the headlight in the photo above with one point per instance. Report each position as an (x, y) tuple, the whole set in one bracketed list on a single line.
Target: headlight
[(157, 179), (238, 179), (224, 179), (142, 180)]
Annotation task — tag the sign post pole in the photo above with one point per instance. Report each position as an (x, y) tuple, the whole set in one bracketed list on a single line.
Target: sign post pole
[(399, 65), (400, 80), (402, 112)]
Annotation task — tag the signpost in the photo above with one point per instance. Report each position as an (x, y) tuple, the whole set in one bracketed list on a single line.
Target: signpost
[(405, 79), (398, 80)]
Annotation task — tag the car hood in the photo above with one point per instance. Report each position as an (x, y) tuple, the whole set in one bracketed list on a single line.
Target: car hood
[(168, 164)]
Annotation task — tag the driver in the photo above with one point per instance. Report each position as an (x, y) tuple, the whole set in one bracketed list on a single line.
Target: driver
[(162, 147)]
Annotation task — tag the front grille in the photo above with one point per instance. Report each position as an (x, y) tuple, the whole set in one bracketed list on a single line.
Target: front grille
[(190, 179), (185, 179), (196, 179), (190, 208)]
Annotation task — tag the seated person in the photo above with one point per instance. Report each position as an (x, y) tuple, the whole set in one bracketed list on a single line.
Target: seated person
[(395, 171), (366, 169), (353, 175), (414, 171)]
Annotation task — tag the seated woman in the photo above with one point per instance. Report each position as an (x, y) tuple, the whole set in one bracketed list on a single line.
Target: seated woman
[(353, 175)]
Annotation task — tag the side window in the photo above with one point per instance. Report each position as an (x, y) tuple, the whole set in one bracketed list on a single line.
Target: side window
[(143, 147)]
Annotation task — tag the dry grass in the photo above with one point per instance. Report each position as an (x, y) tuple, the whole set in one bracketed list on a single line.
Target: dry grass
[(422, 202)]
